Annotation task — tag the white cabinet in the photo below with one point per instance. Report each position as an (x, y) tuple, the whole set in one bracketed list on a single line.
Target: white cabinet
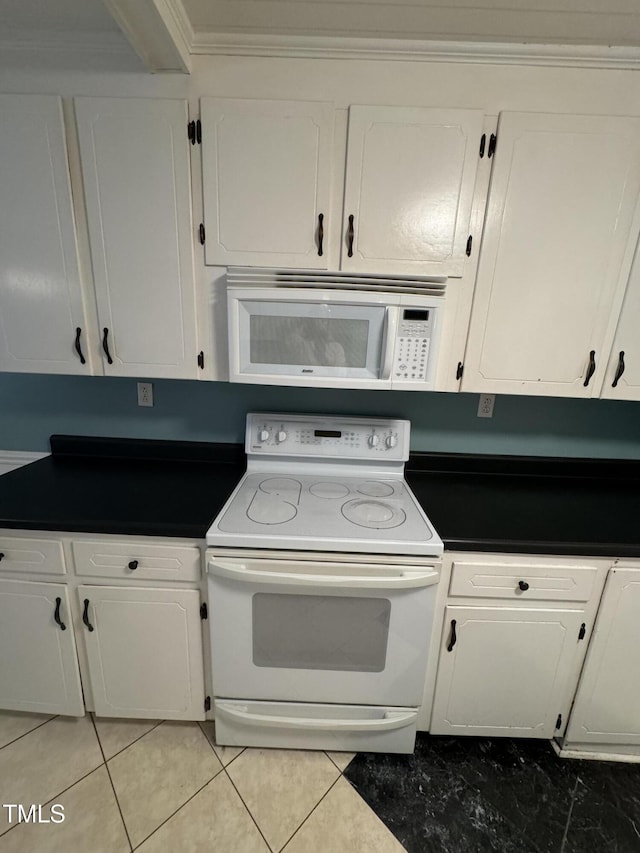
[(144, 651), (622, 378), (38, 664), (135, 167), (504, 671), (560, 230), (607, 706), (266, 174), (409, 186), (43, 327)]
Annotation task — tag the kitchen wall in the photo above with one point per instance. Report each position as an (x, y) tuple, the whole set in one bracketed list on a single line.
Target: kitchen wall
[(32, 407)]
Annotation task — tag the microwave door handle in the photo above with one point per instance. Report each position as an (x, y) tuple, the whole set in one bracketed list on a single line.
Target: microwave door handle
[(403, 579), (389, 346), (391, 720)]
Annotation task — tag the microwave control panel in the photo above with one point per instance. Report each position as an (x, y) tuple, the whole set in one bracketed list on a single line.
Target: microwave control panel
[(319, 435), (413, 339)]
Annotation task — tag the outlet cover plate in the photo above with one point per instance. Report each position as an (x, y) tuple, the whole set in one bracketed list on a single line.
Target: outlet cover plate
[(485, 405), (145, 393)]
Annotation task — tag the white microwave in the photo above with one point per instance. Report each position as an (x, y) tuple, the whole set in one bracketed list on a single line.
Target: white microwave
[(333, 338)]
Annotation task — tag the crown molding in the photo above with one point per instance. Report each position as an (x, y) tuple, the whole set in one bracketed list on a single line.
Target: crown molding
[(495, 53), (158, 30)]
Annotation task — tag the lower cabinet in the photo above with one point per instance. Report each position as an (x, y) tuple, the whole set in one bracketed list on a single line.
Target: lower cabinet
[(504, 671), (38, 662), (144, 651), (607, 706)]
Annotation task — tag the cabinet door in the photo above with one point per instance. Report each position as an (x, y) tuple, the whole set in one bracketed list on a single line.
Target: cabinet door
[(41, 305), (144, 652), (266, 172), (409, 187), (135, 166), (622, 379), (560, 229), (509, 671), (607, 704), (38, 664)]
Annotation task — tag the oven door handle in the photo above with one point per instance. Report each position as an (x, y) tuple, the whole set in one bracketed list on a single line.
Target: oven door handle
[(404, 579), (391, 720)]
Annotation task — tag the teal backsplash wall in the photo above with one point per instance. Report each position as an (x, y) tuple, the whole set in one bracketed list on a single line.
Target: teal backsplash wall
[(32, 407)]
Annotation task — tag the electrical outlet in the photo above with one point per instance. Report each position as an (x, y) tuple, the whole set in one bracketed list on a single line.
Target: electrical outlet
[(145, 393), (485, 405)]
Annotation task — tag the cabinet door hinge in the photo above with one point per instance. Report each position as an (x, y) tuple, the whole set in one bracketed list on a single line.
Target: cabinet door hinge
[(492, 145), (204, 613), (459, 370), (201, 234), (201, 360), (469, 243), (194, 132), (207, 703), (559, 722), (483, 141), (583, 631)]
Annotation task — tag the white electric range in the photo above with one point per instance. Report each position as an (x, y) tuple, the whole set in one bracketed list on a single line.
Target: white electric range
[(322, 573)]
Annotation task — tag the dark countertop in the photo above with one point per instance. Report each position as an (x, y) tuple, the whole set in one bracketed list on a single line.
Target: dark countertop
[(476, 503)]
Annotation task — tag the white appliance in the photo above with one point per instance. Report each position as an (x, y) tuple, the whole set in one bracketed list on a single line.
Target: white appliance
[(332, 330), (322, 574)]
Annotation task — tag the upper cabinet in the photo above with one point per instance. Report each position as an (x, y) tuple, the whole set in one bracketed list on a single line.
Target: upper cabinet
[(136, 175), (42, 317), (560, 229), (408, 189), (266, 173), (410, 176)]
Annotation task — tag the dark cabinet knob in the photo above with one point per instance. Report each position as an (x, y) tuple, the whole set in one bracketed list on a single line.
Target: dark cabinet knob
[(133, 565), (524, 586), (1, 556)]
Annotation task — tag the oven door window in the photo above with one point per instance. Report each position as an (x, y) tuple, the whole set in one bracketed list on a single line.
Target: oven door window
[(320, 632), (311, 339)]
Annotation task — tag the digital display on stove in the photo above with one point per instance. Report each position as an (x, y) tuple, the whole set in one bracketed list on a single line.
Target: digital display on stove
[(327, 433)]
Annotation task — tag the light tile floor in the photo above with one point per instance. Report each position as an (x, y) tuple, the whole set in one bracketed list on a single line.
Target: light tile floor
[(142, 785)]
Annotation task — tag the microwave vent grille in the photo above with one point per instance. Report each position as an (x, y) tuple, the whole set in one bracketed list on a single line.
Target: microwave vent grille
[(258, 277)]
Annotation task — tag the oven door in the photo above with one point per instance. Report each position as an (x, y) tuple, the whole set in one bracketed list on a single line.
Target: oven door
[(305, 631)]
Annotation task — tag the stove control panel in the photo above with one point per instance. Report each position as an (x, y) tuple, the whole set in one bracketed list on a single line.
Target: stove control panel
[(321, 436)]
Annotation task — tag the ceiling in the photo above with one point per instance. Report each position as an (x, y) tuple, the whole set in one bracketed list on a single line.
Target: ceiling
[(68, 16)]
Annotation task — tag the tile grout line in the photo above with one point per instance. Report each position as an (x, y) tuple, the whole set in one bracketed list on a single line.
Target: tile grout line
[(566, 828), (333, 784), (113, 787), (333, 762), (269, 847), (39, 726), (213, 748), (159, 723), (179, 809)]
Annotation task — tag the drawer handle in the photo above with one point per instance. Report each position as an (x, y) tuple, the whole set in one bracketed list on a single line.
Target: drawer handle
[(133, 565), (524, 586), (320, 232), (56, 615), (350, 235), (454, 637), (85, 615)]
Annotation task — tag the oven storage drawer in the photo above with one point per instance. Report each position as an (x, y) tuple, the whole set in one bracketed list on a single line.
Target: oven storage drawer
[(297, 725)]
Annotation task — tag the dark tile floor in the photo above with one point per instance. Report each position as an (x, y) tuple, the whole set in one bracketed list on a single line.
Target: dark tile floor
[(469, 795)]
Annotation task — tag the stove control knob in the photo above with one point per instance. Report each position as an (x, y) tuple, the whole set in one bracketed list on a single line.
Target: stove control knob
[(391, 441), (374, 440), (281, 436), (263, 435)]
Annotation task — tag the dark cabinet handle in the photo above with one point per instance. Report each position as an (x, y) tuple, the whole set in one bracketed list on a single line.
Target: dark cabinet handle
[(453, 638), (56, 615), (592, 367), (1, 556), (350, 235), (105, 344), (85, 615), (133, 565), (524, 586), (620, 369), (78, 347), (320, 232)]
